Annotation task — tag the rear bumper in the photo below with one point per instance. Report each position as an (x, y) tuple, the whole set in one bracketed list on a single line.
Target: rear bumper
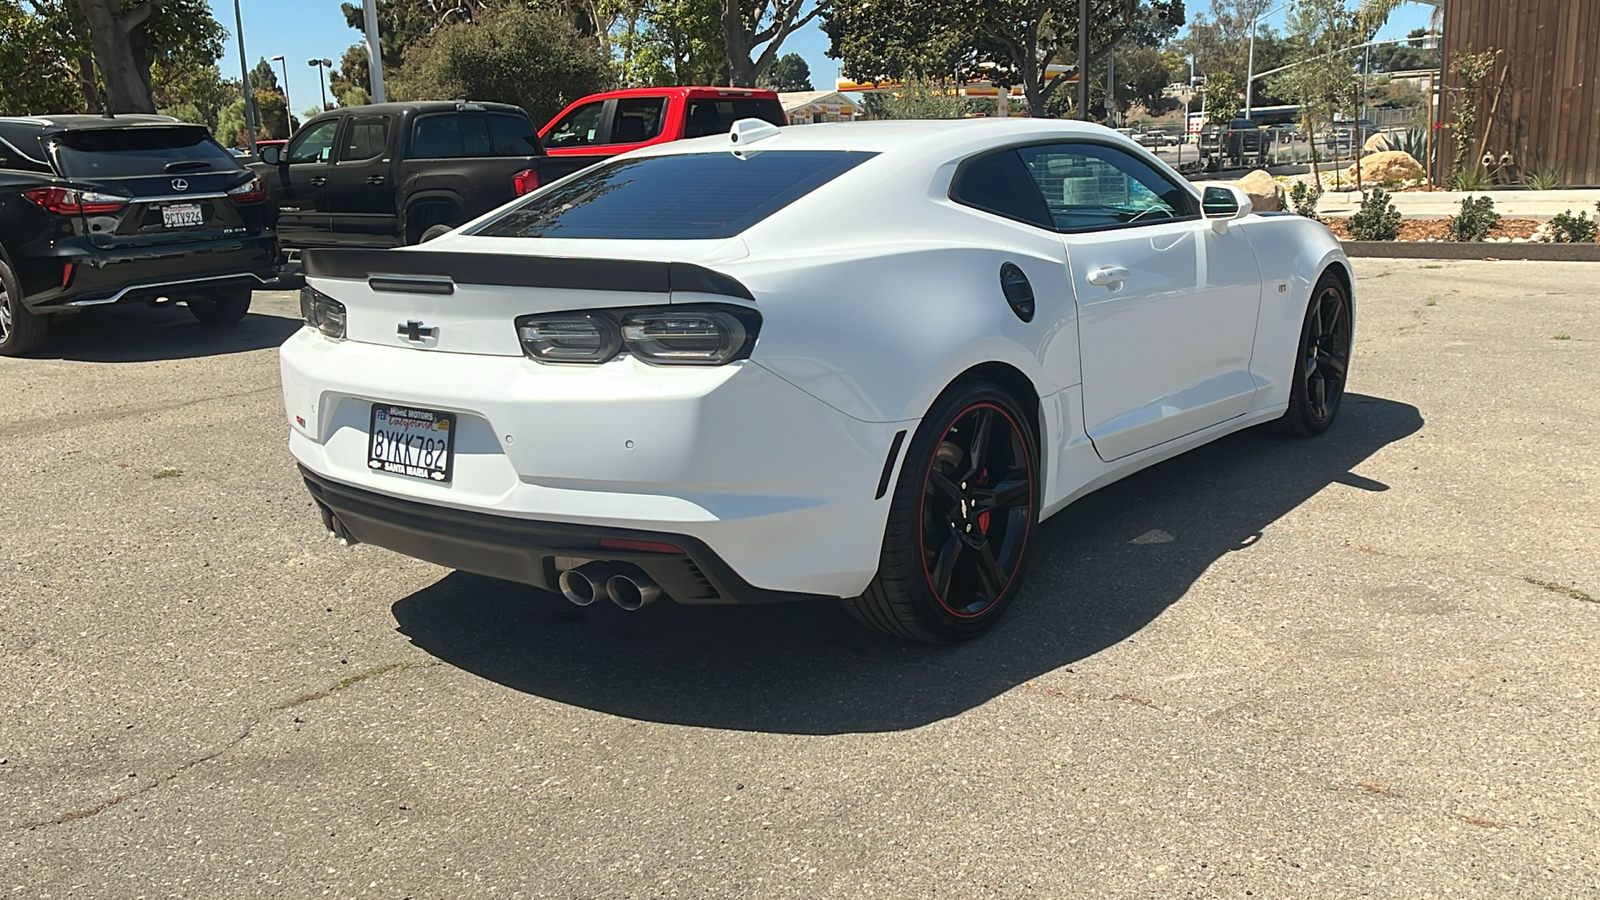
[(102, 277), (527, 550)]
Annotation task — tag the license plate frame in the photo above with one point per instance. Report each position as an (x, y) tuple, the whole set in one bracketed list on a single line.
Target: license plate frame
[(182, 215), (412, 442)]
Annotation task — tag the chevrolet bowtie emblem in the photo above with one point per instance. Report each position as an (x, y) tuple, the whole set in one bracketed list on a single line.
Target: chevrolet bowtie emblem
[(416, 332)]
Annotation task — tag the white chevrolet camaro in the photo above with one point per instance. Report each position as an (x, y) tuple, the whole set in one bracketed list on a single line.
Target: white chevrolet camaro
[(857, 361)]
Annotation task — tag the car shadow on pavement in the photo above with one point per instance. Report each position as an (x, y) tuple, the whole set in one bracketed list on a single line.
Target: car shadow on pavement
[(808, 669), (154, 333)]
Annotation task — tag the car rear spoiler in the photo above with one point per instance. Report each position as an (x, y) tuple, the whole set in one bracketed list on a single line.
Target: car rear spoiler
[(569, 273)]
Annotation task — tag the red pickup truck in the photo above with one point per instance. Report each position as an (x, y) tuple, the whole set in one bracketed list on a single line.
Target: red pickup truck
[(601, 126)]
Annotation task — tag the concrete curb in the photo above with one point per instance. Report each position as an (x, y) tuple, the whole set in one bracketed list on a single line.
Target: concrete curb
[(1472, 250)]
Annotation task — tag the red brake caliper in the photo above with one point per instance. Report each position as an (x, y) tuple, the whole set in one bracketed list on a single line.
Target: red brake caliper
[(983, 517)]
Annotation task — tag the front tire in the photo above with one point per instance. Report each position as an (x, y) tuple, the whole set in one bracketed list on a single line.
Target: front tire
[(21, 329), (223, 306), (1322, 360), (959, 521)]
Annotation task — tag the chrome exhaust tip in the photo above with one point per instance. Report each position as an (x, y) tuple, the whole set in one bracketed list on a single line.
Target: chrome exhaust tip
[(581, 587), (632, 591)]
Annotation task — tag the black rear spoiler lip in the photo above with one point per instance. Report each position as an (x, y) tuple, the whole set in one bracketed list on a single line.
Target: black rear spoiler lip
[(504, 269)]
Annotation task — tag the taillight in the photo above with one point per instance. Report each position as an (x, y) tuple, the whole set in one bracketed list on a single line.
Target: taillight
[(64, 201), (525, 182), (251, 191), (659, 335), (322, 312)]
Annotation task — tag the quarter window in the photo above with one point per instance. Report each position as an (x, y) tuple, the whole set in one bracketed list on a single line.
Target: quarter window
[(315, 144), (1090, 187), (999, 183)]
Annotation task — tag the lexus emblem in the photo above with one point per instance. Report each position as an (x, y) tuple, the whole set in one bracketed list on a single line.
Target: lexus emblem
[(179, 184)]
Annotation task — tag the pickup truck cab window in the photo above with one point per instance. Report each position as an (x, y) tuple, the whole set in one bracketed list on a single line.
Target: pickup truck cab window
[(451, 137), (315, 144), (637, 119), (578, 128), (367, 138)]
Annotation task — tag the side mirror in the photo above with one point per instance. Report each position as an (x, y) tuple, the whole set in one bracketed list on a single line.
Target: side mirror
[(272, 155), (1221, 203)]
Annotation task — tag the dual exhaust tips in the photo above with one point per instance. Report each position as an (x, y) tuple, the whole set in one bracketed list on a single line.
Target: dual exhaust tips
[(596, 581)]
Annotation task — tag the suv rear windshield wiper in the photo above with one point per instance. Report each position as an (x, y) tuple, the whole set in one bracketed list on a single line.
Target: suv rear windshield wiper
[(183, 165)]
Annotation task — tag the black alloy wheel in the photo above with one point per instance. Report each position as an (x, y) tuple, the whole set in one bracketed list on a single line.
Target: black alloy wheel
[(959, 522), (1322, 365)]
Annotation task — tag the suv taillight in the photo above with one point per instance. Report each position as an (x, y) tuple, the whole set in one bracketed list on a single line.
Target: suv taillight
[(525, 182), (251, 191), (71, 202)]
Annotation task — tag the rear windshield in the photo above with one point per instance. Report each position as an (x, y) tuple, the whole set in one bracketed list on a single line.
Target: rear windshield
[(716, 116), (451, 136), (680, 197), (116, 153)]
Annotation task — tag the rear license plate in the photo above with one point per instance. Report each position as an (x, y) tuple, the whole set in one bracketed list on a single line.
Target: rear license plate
[(182, 215), (417, 443)]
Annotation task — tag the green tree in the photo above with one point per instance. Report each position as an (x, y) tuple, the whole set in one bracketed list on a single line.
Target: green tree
[(263, 77), (355, 96), (36, 75), (1321, 78), (788, 73), (917, 100), (1219, 41), (125, 40), (753, 31), (669, 42), (1009, 42), (354, 72), (230, 129), (275, 122), (199, 90), (534, 58)]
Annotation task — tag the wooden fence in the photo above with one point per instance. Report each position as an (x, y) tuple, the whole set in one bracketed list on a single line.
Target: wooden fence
[(1541, 100)]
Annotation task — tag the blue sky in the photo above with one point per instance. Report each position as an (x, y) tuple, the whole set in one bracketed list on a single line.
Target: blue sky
[(300, 30)]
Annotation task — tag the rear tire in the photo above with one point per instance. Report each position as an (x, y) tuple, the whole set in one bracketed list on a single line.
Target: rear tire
[(21, 329), (1322, 360), (959, 521), (425, 217), (435, 231), (223, 306)]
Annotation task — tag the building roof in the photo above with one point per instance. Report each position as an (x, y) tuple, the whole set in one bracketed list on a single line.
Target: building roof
[(793, 100)]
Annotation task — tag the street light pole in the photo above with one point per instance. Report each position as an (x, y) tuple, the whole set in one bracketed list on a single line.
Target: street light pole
[(288, 107), (369, 8), (244, 71), (323, 65), (1083, 60), (1250, 67)]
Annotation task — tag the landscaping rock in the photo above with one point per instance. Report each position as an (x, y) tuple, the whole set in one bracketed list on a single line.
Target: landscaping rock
[(1266, 194), (1387, 167), (1378, 143)]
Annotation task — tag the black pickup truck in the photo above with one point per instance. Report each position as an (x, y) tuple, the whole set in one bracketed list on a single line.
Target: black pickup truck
[(390, 174)]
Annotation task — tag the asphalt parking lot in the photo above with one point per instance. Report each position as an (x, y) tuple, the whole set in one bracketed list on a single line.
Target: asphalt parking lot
[(1362, 665)]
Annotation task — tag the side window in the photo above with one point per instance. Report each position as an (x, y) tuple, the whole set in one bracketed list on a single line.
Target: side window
[(314, 144), (512, 136), (637, 119), (367, 138), (999, 183), (578, 128), (1089, 187)]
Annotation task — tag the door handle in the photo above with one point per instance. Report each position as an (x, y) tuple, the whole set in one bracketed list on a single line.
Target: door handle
[(318, 181), (374, 179), (1108, 275)]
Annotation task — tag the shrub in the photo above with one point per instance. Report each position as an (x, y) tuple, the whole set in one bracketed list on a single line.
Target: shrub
[(1377, 220), (1474, 179), (1542, 179), (1569, 229), (1305, 197), (1476, 220)]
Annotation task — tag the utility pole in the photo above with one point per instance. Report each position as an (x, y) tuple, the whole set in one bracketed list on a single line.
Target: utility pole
[(244, 71), (1083, 60), (1111, 89), (374, 50)]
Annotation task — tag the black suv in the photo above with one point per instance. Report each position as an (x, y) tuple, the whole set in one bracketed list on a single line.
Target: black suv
[(97, 210), (388, 174)]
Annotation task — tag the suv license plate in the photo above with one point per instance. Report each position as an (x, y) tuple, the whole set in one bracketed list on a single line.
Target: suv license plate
[(182, 215), (417, 443)]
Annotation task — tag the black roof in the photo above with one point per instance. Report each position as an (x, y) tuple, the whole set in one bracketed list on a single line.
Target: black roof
[(92, 123), (429, 106)]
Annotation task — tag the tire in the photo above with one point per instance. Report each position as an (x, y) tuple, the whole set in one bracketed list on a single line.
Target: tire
[(223, 306), (425, 217), (21, 329), (1322, 360), (435, 231), (956, 540)]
